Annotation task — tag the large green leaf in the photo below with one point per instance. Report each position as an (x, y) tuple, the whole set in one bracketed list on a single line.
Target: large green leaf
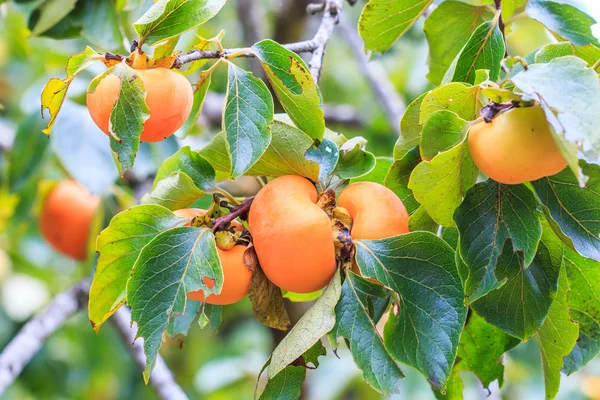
[(442, 130), (563, 86), (460, 98), (584, 301), (100, 24), (247, 116), (484, 50), (174, 192), (190, 163), (356, 323), (410, 128), (557, 336), (354, 160), (294, 86), (119, 246), (53, 94), (521, 304), (420, 268), (313, 325), (173, 264), (440, 185), (382, 22), (284, 156), (287, 384), (397, 179), (448, 28), (574, 209), (491, 215), (563, 19), (168, 18), (50, 14)]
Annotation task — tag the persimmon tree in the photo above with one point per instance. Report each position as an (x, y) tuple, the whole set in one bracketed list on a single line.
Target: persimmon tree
[(481, 266)]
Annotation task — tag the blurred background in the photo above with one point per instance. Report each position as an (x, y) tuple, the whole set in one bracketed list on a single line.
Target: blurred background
[(76, 363)]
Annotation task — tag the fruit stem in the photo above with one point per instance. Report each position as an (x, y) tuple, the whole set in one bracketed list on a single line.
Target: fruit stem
[(596, 65), (241, 211), (226, 194)]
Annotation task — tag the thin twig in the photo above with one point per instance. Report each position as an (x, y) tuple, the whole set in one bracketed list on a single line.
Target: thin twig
[(239, 211), (383, 89), (31, 338), (498, 4), (316, 45)]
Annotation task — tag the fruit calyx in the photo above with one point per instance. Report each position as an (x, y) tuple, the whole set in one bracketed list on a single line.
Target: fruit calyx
[(341, 225)]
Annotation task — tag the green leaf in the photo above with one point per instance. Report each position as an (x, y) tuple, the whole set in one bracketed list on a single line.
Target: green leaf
[(521, 304), (355, 323), (491, 215), (377, 174), (481, 350), (562, 86), (287, 384), (410, 128), (180, 324), (173, 264), (551, 51), (53, 94), (557, 337), (354, 160), (584, 302), (168, 18), (420, 220), (200, 90), (284, 156), (484, 50), (51, 12), (27, 153), (174, 192), (398, 177), (440, 185), (294, 86), (448, 29), (382, 22), (420, 268), (314, 324), (326, 155), (247, 116), (128, 115), (441, 131), (460, 98), (574, 209), (190, 163), (563, 19), (166, 48), (119, 246), (100, 24)]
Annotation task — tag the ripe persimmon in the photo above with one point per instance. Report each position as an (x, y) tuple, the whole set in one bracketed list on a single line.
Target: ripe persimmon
[(516, 147), (236, 275), (66, 217), (292, 235), (376, 211), (169, 97)]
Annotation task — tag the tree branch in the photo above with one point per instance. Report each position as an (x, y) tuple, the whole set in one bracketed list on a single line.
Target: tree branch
[(31, 338), (383, 88), (316, 45)]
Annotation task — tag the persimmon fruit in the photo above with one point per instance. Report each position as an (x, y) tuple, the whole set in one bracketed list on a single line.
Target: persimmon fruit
[(66, 217), (236, 275), (516, 147), (169, 97), (292, 235), (376, 211)]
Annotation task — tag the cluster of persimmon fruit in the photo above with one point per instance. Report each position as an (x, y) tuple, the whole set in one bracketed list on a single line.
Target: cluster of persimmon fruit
[(293, 234)]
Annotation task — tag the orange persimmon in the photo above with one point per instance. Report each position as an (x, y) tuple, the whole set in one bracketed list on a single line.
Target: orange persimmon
[(169, 97), (516, 147), (66, 217)]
